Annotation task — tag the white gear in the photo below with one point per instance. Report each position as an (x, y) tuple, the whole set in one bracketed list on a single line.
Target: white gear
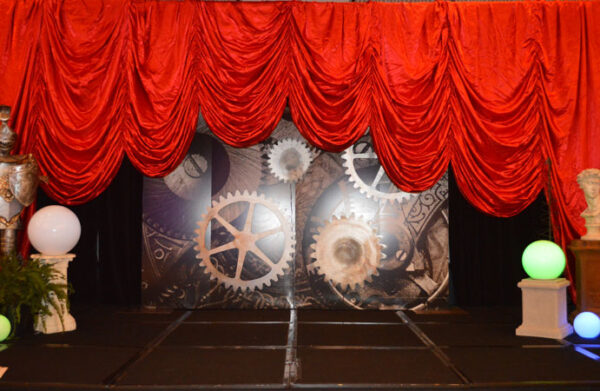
[(289, 159), (346, 251), (381, 187), (245, 240)]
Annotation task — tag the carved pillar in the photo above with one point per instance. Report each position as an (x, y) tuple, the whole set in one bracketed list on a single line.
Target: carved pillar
[(60, 319), (587, 277)]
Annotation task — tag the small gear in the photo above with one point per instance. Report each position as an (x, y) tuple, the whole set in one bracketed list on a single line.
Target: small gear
[(377, 186), (289, 159), (253, 268), (346, 251)]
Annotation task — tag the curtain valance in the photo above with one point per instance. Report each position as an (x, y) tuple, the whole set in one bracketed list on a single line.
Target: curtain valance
[(507, 92)]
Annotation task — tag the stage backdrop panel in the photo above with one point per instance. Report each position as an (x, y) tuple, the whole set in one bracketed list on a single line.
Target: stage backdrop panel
[(282, 224)]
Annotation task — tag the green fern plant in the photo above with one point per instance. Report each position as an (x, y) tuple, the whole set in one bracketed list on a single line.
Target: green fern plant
[(26, 285)]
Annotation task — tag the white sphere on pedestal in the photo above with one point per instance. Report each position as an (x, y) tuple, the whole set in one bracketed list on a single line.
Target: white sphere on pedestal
[(54, 230)]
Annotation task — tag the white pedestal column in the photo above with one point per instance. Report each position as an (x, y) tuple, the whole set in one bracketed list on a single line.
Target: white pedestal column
[(61, 320), (544, 308)]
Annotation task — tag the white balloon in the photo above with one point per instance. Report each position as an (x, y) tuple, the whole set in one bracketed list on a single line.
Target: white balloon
[(54, 230)]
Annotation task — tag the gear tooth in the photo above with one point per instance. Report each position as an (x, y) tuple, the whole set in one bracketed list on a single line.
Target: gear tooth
[(237, 193), (245, 193)]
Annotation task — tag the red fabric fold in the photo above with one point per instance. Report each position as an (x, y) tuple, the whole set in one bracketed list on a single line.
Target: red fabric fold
[(506, 92)]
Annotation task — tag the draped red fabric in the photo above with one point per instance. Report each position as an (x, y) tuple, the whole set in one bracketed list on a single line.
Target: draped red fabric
[(506, 92), (243, 66)]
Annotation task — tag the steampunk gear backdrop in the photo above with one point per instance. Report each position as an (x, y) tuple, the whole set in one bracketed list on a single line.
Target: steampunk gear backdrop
[(282, 225)]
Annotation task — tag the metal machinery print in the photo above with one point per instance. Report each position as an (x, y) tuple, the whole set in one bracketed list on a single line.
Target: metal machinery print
[(282, 225)]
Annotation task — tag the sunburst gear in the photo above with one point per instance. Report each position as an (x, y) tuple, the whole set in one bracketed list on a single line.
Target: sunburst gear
[(252, 268), (379, 186), (346, 251), (289, 159)]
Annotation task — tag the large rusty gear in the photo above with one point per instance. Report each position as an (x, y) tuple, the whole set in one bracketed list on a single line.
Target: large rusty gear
[(245, 241), (378, 188), (346, 251), (289, 159)]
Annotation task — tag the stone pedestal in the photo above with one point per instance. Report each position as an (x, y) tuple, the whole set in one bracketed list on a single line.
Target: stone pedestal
[(587, 274), (544, 308), (61, 320)]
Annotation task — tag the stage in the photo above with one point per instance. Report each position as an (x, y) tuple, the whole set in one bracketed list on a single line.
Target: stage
[(305, 349)]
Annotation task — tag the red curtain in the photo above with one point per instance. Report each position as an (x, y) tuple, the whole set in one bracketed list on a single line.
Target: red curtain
[(507, 92)]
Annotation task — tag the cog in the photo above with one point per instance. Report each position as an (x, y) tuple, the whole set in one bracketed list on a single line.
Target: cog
[(289, 159), (346, 251), (378, 186), (253, 267)]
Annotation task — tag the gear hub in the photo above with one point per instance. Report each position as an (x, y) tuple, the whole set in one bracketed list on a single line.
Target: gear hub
[(346, 251)]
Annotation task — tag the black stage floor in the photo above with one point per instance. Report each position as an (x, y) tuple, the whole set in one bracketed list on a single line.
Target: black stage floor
[(186, 350)]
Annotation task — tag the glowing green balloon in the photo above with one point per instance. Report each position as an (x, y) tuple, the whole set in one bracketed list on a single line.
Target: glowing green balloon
[(4, 328), (543, 260)]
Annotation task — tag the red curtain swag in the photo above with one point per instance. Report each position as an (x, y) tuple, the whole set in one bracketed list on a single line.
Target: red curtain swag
[(497, 89)]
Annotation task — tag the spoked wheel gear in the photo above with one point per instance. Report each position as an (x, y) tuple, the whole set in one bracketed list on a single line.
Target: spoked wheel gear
[(346, 251), (289, 159), (241, 260), (371, 180)]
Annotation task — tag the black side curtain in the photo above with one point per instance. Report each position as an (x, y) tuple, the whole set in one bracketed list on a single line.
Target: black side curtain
[(485, 251), (107, 269)]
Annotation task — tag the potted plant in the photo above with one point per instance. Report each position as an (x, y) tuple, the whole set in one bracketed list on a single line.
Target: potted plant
[(26, 288)]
